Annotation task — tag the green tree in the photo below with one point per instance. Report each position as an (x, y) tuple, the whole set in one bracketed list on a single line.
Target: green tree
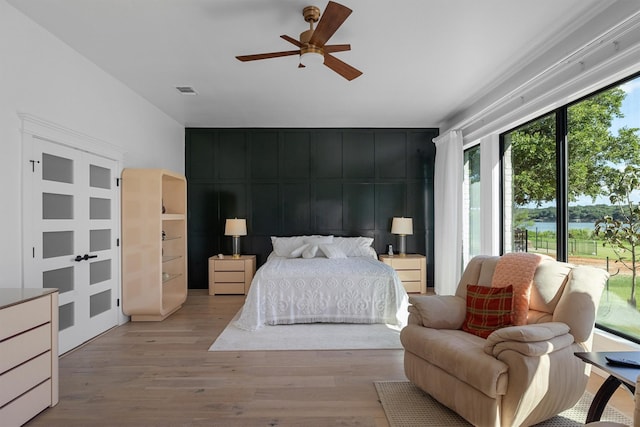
[(593, 150), (624, 235)]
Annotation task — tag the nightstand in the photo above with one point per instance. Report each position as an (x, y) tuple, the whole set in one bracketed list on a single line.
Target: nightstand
[(230, 275), (412, 270)]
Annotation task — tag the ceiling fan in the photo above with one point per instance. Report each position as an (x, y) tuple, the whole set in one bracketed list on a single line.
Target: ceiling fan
[(312, 46)]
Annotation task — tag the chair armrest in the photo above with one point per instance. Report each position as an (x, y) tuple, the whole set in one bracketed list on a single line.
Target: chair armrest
[(529, 340), (437, 311)]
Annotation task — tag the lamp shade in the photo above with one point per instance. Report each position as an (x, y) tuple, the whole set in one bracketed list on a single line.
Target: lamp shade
[(235, 227), (402, 226)]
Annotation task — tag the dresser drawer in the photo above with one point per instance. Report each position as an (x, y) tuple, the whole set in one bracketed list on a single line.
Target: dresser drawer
[(25, 346), (27, 406), (22, 317), (229, 276), (229, 265), (24, 377), (409, 275), (229, 288)]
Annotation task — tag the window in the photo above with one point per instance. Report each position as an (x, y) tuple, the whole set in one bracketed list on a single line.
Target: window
[(529, 187), (471, 204), (571, 189)]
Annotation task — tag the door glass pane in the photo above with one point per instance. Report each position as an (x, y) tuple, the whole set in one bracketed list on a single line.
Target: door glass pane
[(99, 177), (57, 169), (99, 303), (57, 243), (604, 198), (61, 279), (57, 206), (99, 240), (99, 271), (529, 187), (99, 208), (66, 317), (471, 203)]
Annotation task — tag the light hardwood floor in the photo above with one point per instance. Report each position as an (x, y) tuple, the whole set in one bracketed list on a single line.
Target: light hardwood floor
[(161, 374)]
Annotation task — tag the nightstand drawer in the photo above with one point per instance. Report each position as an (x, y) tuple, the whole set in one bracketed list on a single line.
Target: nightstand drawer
[(405, 264), (229, 265), (411, 270), (409, 275), (229, 288), (412, 286), (229, 276)]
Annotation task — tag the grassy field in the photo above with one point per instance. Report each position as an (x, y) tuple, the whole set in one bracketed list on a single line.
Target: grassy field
[(614, 311)]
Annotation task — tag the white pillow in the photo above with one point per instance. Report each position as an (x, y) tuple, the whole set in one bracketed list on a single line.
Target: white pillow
[(332, 251), (355, 246), (298, 251), (283, 246), (316, 240), (310, 251)]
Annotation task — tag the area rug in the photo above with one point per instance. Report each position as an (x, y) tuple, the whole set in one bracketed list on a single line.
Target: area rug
[(405, 405), (312, 336)]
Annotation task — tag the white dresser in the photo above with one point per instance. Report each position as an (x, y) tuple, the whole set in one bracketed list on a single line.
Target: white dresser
[(28, 353)]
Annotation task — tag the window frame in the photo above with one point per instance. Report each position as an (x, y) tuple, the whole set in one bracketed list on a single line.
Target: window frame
[(562, 180)]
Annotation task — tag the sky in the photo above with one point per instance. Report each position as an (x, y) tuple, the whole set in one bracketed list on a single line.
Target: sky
[(630, 106)]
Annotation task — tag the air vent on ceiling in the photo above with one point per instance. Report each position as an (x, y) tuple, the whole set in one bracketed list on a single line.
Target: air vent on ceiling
[(186, 90)]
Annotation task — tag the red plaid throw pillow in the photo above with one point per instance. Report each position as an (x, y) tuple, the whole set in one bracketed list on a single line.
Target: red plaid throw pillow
[(488, 309)]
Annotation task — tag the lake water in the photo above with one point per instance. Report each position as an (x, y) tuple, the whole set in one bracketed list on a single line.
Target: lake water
[(551, 226)]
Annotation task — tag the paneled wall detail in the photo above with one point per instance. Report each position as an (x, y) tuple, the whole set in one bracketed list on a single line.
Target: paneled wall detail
[(345, 182)]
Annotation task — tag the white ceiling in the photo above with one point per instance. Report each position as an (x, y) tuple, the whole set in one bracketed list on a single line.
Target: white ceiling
[(424, 61)]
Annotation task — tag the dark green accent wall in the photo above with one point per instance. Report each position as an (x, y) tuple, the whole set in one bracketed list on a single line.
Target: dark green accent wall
[(345, 182)]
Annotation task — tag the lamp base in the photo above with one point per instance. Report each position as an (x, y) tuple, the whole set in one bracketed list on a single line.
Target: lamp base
[(235, 242), (402, 245)]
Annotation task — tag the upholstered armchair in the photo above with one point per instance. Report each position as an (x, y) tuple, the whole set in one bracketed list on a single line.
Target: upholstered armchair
[(517, 375)]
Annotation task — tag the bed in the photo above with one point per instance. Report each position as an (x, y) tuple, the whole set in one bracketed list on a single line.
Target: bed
[(310, 279)]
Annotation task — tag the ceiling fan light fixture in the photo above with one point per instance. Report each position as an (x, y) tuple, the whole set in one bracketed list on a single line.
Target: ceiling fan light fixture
[(311, 56)]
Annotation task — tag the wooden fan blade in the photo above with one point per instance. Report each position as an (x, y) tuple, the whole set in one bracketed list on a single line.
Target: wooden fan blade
[(342, 68), (291, 40), (334, 15), (245, 58), (330, 48)]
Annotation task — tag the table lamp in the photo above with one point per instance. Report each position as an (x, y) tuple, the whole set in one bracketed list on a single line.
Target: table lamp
[(402, 227), (235, 228)]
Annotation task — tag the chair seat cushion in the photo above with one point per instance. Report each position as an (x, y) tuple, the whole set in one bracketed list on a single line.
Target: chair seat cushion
[(460, 354)]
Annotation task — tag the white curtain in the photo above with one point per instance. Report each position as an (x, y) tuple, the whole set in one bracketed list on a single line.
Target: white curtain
[(447, 212)]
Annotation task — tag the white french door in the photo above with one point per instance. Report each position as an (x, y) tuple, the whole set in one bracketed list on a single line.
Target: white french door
[(71, 224)]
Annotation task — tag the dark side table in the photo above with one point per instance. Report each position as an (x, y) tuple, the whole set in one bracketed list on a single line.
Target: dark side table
[(617, 375)]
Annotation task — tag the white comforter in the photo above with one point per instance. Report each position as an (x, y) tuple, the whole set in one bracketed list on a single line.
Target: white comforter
[(344, 290)]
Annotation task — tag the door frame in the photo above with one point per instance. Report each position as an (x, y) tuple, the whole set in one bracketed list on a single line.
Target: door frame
[(35, 127)]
